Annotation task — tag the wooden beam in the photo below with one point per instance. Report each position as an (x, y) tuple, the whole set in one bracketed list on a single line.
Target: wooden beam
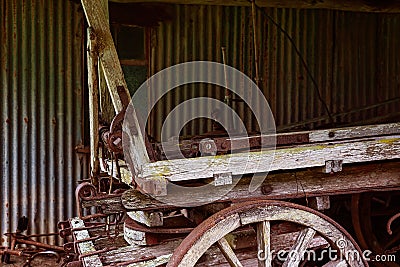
[(302, 156), (146, 256), (391, 6), (106, 104), (93, 83), (97, 19), (306, 183), (347, 133)]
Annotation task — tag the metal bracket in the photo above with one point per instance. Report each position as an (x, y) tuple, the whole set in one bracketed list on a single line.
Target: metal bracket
[(207, 147), (332, 166), (320, 203), (222, 178)]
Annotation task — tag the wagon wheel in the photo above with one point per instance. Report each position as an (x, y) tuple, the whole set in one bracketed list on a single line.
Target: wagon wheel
[(370, 214), (261, 214)]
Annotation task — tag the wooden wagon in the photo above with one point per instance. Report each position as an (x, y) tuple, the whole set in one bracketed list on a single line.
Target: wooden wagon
[(150, 224)]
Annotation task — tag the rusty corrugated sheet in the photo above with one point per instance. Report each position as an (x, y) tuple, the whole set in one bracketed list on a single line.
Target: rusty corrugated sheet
[(41, 93), (354, 58), (198, 33)]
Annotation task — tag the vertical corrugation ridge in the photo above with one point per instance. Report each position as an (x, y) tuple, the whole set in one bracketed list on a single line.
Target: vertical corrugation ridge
[(41, 81), (353, 67)]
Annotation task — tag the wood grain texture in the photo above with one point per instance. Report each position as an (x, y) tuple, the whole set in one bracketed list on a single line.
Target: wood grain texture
[(147, 256), (228, 253), (226, 225), (85, 247), (98, 21), (110, 205), (302, 156), (93, 84), (303, 241), (248, 257), (106, 104), (302, 217), (298, 184), (224, 222), (150, 219), (354, 132), (264, 243)]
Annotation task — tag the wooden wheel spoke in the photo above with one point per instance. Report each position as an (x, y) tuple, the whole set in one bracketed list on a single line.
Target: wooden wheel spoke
[(264, 244), (260, 214), (228, 252), (296, 252)]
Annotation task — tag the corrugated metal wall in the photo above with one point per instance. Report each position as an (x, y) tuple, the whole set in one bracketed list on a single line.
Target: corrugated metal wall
[(41, 93), (354, 58)]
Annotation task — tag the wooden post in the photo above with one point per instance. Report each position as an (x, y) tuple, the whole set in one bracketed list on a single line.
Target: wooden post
[(106, 105), (97, 19), (92, 60)]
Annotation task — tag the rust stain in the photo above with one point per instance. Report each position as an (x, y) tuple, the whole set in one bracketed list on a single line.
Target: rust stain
[(8, 121), (26, 120)]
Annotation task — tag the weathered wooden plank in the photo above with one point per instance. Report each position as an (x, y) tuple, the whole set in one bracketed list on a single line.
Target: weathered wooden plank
[(226, 144), (139, 253), (150, 219), (159, 261), (85, 247), (93, 84), (354, 132), (303, 156), (134, 237), (353, 179), (97, 19), (106, 104), (264, 244), (228, 253), (110, 204), (302, 243)]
